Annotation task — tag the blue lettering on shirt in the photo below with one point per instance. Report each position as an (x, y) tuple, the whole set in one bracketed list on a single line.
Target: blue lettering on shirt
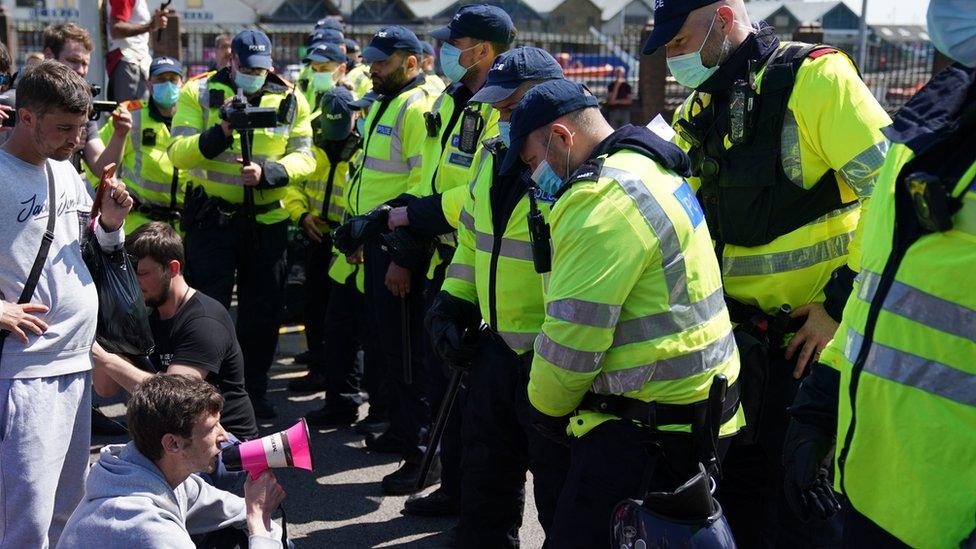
[(455, 140), (460, 160), (689, 202), (384, 130), (543, 196)]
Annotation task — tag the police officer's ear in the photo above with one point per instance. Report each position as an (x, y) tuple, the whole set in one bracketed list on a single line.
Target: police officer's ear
[(562, 132), (340, 72), (411, 62), (725, 20)]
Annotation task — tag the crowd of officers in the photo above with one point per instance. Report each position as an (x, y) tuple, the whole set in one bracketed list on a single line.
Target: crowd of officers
[(594, 283)]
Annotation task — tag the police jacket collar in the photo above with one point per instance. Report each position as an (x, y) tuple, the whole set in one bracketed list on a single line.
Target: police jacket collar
[(411, 84), (156, 115), (272, 84), (460, 93), (758, 47), (934, 111), (640, 140)]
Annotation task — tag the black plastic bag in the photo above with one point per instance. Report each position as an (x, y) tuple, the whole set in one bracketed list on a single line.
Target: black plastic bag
[(123, 319)]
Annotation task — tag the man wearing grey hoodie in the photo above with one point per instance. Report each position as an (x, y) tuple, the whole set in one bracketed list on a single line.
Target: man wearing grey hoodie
[(147, 494)]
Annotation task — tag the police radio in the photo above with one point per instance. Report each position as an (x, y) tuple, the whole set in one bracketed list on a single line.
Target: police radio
[(742, 105), (539, 235), (471, 125), (933, 204)]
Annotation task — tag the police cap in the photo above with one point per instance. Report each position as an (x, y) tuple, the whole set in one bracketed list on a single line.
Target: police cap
[(389, 40), (513, 67), (479, 21)]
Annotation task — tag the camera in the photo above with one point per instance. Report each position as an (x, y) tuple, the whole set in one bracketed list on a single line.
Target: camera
[(98, 107), (245, 117)]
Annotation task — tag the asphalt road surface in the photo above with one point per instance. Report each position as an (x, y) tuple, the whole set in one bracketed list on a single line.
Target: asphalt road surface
[(341, 504)]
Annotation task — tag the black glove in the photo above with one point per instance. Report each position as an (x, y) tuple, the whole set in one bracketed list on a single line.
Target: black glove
[(452, 323), (553, 428), (352, 234), (407, 249), (806, 483)]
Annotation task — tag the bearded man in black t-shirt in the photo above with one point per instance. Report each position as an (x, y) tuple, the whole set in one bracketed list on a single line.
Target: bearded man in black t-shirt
[(194, 334)]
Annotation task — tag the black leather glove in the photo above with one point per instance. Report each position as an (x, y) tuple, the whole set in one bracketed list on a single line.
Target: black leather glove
[(452, 323), (407, 249), (553, 428), (807, 483), (352, 234)]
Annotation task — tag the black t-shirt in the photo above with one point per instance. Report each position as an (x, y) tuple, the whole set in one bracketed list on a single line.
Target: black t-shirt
[(201, 334)]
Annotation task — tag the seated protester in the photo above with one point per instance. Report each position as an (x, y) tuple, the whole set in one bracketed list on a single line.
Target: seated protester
[(194, 334), (147, 493)]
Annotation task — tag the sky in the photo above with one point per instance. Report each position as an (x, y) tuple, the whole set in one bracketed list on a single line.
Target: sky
[(892, 12)]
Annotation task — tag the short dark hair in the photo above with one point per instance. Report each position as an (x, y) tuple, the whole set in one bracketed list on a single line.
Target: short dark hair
[(55, 36), (502, 47), (51, 85), (156, 240), (169, 404)]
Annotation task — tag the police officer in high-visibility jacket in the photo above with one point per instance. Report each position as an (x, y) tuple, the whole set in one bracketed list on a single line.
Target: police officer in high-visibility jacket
[(154, 185), (226, 237), (315, 39), (785, 141), (633, 337), (455, 130), (493, 277), (327, 67), (357, 72), (393, 148), (904, 416)]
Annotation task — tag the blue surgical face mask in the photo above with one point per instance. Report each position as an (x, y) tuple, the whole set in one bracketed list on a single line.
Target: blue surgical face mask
[(504, 129), (688, 68), (165, 94), (952, 29), (361, 126), (450, 61), (545, 177), (249, 83)]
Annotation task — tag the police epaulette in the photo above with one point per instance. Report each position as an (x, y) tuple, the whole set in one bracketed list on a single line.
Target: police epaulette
[(588, 171), (132, 105)]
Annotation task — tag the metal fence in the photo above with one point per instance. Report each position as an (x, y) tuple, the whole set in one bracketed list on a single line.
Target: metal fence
[(894, 71)]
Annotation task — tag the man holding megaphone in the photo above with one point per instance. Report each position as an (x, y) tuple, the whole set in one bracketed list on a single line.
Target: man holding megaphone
[(147, 493)]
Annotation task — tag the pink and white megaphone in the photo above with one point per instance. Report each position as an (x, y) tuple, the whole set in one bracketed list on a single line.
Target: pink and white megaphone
[(288, 448)]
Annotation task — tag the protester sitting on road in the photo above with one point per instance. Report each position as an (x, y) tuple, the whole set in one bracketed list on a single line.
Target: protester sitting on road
[(147, 493), (194, 334)]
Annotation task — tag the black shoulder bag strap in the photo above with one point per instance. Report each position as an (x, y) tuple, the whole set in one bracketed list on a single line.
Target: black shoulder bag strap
[(35, 272)]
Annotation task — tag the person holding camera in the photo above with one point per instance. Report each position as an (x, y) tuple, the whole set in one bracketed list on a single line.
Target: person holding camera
[(146, 168), (148, 493), (47, 311), (236, 228)]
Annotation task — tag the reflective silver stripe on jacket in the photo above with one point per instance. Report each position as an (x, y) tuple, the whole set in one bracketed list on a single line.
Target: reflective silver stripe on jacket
[(481, 165), (793, 260), (513, 249), (682, 314), (386, 166), (183, 131), (143, 183), (203, 97), (396, 136), (915, 371), (586, 313), (299, 144), (567, 358), (461, 272), (668, 369), (467, 220), (135, 135), (861, 171), (922, 307)]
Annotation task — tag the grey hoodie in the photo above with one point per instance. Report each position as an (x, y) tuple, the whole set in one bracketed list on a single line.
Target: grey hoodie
[(128, 504)]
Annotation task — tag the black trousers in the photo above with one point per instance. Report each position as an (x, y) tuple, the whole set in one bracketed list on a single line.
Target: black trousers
[(343, 327), (439, 375), (751, 490), (499, 445), (860, 531), (409, 403), (609, 464), (318, 256), (215, 258)]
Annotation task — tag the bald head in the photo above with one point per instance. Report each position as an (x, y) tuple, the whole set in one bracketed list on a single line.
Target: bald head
[(706, 28)]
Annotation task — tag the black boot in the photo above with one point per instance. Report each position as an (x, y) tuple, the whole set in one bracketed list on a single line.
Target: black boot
[(330, 417), (404, 480), (312, 382), (435, 504)]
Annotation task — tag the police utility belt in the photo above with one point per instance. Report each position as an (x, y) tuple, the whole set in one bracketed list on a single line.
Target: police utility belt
[(203, 211), (656, 414)]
